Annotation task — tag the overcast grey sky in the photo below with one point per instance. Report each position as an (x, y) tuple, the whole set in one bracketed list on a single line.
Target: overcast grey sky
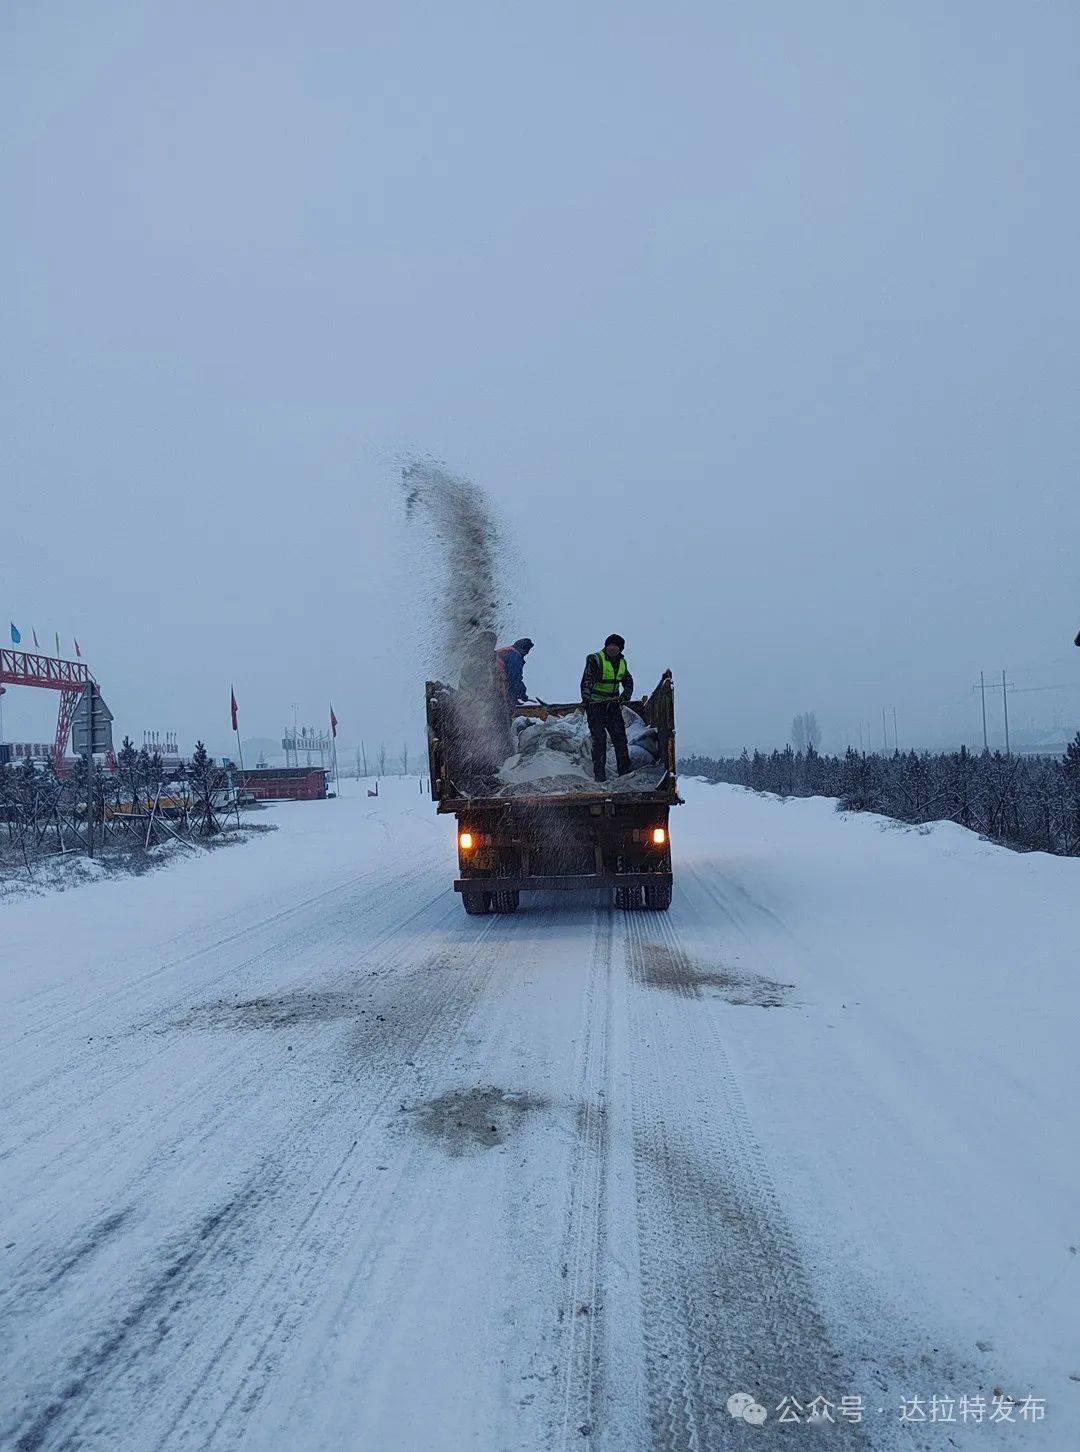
[(759, 323)]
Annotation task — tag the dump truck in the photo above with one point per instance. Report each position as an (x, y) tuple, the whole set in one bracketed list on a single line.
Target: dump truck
[(594, 838)]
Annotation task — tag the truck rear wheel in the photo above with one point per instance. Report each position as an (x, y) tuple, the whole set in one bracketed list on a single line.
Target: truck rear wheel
[(627, 898), (658, 898), (505, 902), (476, 904)]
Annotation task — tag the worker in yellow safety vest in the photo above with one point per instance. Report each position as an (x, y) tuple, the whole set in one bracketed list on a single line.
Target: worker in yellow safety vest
[(606, 684)]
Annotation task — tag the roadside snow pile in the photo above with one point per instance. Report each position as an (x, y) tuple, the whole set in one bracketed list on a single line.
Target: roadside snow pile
[(50, 874), (556, 756), (62, 871)]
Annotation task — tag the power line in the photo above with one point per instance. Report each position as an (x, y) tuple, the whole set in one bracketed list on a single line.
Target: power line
[(1026, 690)]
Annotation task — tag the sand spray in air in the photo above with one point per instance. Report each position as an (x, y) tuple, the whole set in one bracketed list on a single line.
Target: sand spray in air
[(461, 553)]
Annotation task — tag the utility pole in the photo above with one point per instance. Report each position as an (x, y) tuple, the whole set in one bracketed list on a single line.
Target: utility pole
[(884, 733), (1005, 706), (895, 738), (982, 689)]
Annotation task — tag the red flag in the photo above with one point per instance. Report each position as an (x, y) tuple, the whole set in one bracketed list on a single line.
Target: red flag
[(232, 706), (78, 652), (333, 720)]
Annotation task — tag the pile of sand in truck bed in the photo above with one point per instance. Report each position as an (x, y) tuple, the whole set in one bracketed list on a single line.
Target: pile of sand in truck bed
[(555, 756)]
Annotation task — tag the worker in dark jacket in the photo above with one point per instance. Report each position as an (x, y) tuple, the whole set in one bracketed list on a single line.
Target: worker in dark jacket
[(606, 684), (511, 663)]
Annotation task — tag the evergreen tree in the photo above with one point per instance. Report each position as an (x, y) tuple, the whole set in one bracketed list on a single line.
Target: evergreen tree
[(207, 781)]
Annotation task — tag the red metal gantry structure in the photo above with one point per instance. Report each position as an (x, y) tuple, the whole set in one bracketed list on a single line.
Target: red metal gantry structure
[(69, 677)]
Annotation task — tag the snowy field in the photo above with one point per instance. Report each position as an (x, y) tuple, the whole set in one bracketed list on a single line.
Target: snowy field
[(297, 1156)]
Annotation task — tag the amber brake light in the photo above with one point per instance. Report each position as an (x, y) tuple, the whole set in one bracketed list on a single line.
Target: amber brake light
[(465, 841), (659, 835)]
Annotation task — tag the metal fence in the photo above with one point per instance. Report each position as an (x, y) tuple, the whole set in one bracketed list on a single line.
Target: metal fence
[(140, 804)]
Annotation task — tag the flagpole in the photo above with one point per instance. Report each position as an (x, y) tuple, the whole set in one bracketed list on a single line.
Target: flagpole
[(333, 748), (236, 725)]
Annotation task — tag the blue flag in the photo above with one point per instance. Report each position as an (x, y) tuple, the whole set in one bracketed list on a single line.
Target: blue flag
[(16, 634)]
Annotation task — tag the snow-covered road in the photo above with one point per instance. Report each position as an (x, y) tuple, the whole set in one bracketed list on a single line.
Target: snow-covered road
[(295, 1155)]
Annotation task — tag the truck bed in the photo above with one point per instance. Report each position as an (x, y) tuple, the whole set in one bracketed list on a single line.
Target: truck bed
[(450, 795)]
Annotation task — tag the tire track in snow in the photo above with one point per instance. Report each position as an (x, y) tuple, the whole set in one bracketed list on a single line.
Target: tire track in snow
[(726, 1303), (90, 1071), (376, 1243), (131, 1373), (581, 1312), (352, 1204), (246, 1073), (194, 1086), (747, 916), (158, 1298), (55, 1024)]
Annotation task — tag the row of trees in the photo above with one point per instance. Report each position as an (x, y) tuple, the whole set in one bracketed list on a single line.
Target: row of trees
[(805, 731), (382, 763), (1030, 802), (140, 804)]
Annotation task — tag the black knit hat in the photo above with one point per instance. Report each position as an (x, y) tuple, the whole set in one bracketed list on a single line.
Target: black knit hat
[(616, 640), (523, 644)]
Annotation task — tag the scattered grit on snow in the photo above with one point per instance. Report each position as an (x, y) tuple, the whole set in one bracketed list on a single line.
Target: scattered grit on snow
[(295, 1154), (556, 756)]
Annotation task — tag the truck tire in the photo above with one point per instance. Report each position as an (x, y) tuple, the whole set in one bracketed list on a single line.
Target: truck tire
[(628, 898), (505, 902), (658, 898), (476, 904)]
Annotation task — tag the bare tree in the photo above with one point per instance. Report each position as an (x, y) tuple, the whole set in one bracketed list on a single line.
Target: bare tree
[(805, 731), (382, 760)]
